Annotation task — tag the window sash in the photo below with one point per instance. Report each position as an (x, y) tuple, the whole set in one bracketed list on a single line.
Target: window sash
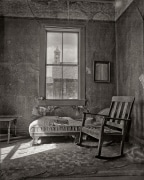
[(62, 80), (81, 65)]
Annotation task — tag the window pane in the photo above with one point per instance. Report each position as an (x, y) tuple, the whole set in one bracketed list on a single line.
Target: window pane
[(54, 47), (54, 82), (70, 48), (70, 82)]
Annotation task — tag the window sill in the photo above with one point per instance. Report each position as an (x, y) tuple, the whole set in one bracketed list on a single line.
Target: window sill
[(61, 102)]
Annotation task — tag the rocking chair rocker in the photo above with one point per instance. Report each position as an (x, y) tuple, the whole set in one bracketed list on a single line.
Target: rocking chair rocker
[(114, 126)]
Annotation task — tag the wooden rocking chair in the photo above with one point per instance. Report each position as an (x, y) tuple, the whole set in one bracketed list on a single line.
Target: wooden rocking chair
[(114, 126)]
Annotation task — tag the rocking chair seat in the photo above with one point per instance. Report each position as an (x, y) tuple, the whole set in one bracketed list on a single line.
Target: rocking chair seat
[(96, 131)]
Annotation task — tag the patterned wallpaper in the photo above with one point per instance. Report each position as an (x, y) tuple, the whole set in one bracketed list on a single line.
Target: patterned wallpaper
[(58, 9), (64, 9)]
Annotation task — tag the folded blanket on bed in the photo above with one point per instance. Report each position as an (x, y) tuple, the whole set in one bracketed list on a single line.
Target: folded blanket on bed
[(60, 121)]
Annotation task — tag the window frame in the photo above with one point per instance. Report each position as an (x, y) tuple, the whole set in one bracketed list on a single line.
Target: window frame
[(42, 65)]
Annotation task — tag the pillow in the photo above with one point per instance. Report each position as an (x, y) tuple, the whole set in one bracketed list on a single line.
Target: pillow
[(97, 120), (100, 118)]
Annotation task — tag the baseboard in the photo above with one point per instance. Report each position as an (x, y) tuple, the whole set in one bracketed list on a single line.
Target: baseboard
[(4, 138)]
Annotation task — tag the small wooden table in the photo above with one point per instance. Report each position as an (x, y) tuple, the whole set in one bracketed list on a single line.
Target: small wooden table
[(9, 120)]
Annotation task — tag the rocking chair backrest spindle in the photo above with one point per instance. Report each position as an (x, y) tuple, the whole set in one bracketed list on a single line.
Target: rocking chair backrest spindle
[(121, 107)]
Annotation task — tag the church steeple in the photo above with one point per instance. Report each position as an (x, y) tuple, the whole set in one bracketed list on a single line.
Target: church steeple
[(57, 55)]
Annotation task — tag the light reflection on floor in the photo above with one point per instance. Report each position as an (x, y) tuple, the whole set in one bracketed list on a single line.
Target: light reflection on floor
[(25, 149), (4, 152)]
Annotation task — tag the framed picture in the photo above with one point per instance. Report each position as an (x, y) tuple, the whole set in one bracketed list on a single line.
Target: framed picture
[(102, 71)]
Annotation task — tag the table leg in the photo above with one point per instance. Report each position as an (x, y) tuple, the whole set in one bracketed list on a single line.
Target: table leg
[(9, 126), (15, 121)]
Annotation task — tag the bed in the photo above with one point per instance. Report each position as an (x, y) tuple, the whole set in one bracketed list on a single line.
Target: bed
[(54, 126)]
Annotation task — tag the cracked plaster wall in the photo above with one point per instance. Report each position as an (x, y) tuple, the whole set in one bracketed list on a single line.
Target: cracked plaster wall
[(19, 67)]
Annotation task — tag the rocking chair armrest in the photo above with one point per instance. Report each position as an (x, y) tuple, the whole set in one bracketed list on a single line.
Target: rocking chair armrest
[(118, 118)]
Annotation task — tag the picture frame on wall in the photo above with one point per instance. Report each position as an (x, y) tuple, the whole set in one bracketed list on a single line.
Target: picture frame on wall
[(102, 71)]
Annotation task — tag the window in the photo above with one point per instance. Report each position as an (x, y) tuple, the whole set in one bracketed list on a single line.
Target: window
[(62, 60), (62, 72)]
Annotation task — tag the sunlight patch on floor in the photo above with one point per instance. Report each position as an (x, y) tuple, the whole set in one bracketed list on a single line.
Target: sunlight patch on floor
[(25, 149), (4, 152), (22, 151)]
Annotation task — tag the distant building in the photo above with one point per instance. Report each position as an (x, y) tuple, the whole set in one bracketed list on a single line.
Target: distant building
[(64, 80), (57, 56)]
